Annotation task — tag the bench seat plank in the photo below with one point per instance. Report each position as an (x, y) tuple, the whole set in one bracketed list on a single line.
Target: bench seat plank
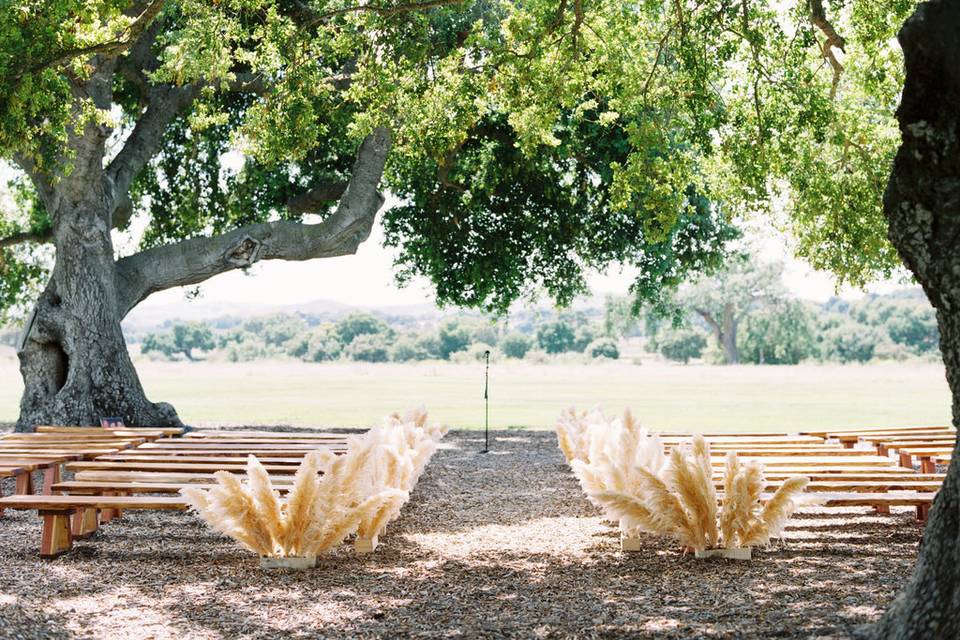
[(171, 466), (70, 503)]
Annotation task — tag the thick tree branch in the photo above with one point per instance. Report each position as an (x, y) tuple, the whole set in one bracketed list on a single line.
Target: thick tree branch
[(818, 17), (312, 201), (23, 237), (120, 43), (709, 319), (315, 19), (198, 259), (166, 102)]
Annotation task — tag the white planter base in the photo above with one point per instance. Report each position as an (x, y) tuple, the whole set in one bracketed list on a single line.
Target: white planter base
[(630, 544), (308, 562), (731, 554), (365, 545)]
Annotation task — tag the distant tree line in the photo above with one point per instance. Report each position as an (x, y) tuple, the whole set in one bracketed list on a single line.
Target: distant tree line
[(744, 314), (364, 337)]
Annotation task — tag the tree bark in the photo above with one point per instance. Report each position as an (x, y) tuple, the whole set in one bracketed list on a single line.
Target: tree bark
[(73, 358), (725, 332), (922, 205)]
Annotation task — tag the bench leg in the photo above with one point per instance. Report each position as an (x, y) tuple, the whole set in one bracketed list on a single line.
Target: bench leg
[(906, 460), (923, 510), (25, 484), (85, 523), (107, 515), (56, 538), (882, 449), (51, 476), (882, 509)]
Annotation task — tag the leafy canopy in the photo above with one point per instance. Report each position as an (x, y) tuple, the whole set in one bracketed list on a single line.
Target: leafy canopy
[(532, 141)]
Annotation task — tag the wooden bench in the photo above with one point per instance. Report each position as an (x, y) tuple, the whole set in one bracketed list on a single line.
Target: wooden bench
[(876, 430), (200, 459), (67, 437), (146, 432), (57, 512), (21, 477), (856, 475), (850, 439), (50, 467), (202, 477), (946, 437), (928, 456), (720, 439), (98, 487), (885, 446), (769, 462), (276, 435), (172, 467), (882, 502), (73, 454), (72, 444), (244, 446), (168, 453), (752, 452)]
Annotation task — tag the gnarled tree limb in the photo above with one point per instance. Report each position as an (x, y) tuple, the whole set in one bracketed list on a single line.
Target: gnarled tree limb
[(313, 200), (23, 237), (818, 17), (121, 43), (165, 102), (198, 259)]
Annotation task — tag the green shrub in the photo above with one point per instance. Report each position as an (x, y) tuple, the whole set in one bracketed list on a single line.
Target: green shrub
[(407, 348), (603, 348), (583, 337), (556, 337), (682, 345), (359, 324), (453, 336), (368, 347), (777, 334), (915, 328), (849, 342), (515, 345)]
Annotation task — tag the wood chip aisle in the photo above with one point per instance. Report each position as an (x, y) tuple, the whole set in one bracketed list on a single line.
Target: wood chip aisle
[(497, 545)]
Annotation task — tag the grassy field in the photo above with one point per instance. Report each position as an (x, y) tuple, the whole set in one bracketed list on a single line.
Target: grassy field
[(523, 395)]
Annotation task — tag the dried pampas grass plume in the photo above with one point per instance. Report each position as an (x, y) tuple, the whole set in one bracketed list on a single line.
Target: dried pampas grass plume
[(623, 470), (331, 497)]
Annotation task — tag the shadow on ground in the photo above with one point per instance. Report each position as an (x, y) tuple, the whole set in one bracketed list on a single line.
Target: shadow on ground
[(492, 545)]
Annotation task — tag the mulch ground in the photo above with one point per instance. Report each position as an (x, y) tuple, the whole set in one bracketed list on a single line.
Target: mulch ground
[(491, 545)]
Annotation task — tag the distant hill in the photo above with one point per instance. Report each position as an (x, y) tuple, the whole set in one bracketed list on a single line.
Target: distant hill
[(150, 317)]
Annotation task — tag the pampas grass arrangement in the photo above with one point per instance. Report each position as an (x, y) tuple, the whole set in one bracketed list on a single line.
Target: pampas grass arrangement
[(627, 475), (331, 497)]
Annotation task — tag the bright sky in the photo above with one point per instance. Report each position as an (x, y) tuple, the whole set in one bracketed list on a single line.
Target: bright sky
[(366, 279)]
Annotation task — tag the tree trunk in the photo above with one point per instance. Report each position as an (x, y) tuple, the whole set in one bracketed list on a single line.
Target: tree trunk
[(73, 357), (725, 332), (922, 205), (729, 342)]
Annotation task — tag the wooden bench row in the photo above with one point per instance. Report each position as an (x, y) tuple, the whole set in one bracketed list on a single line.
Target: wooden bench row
[(68, 517)]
